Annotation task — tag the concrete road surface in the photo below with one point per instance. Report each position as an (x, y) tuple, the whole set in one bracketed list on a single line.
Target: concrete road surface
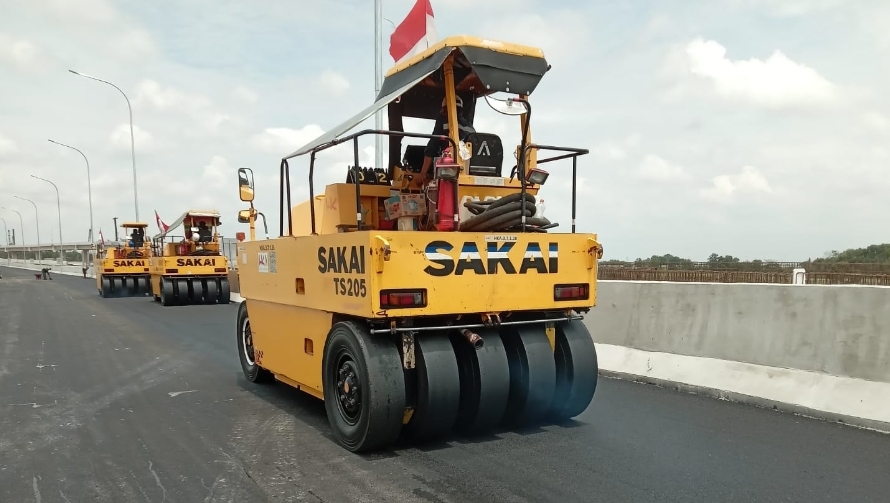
[(123, 400)]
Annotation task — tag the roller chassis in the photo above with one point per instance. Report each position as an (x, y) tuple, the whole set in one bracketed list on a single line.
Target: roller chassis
[(425, 384), (124, 285), (183, 290)]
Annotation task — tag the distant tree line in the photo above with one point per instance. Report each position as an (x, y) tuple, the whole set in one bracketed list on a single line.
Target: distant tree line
[(870, 260)]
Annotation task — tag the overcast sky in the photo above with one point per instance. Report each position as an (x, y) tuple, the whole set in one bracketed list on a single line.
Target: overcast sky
[(757, 128)]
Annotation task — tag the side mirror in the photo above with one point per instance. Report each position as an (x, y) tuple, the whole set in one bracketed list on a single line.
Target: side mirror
[(244, 216), (245, 184)]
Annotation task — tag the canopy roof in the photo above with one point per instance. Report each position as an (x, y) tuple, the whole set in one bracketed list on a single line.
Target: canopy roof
[(481, 67), (134, 225), (190, 213)]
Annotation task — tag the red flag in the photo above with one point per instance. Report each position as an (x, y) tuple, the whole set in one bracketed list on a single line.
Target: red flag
[(415, 34), (101, 237), (161, 225)]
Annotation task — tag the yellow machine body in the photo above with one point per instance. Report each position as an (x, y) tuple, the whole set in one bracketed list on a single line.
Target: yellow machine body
[(123, 270), (190, 269), (400, 323)]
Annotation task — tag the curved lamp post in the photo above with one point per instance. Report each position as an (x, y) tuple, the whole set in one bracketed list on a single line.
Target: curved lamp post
[(89, 185), (59, 205), (132, 141), (5, 239), (37, 217), (22, 228)]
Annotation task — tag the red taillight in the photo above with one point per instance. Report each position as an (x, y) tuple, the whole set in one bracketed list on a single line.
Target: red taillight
[(399, 299), (579, 291)]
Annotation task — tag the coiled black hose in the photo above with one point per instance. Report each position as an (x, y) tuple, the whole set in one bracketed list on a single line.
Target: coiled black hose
[(505, 214), (203, 253)]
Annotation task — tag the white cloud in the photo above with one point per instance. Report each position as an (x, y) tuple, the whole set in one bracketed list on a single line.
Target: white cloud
[(608, 152), (776, 82), (333, 82), (152, 93), (791, 8), (724, 188), (876, 121), (121, 140), (282, 141), (7, 146), (876, 21), (214, 96), (546, 30), (218, 173), (656, 169), (18, 52), (244, 94)]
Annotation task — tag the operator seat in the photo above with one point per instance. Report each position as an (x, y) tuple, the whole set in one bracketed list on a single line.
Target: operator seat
[(487, 157)]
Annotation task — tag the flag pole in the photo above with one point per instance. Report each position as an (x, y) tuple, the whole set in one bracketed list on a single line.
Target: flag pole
[(378, 80)]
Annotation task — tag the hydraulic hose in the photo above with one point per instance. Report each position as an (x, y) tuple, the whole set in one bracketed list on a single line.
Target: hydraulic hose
[(504, 214)]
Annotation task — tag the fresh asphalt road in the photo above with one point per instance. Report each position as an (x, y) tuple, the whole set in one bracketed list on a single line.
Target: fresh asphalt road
[(125, 400)]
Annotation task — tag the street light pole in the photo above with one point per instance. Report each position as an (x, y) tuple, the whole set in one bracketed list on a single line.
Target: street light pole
[(22, 228), (132, 141), (37, 217), (59, 205), (5, 239), (378, 79), (89, 185)]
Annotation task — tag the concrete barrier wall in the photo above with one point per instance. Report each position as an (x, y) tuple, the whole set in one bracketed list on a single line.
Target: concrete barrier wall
[(839, 330)]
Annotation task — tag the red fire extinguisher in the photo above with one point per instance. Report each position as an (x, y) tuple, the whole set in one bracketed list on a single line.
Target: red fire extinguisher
[(446, 174)]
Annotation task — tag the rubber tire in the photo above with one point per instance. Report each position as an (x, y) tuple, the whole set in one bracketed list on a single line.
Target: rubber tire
[(254, 373), (577, 370), (183, 294), (197, 290), (225, 293), (117, 286), (438, 388), (144, 286), (484, 382), (382, 385), (168, 294), (211, 292), (532, 375), (132, 286)]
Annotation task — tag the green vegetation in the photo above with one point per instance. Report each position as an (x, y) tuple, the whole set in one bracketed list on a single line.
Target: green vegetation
[(874, 254), (869, 260)]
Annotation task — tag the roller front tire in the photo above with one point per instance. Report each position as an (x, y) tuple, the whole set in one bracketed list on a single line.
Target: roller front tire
[(253, 372)]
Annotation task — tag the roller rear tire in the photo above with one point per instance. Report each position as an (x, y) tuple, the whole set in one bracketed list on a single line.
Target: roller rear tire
[(364, 387)]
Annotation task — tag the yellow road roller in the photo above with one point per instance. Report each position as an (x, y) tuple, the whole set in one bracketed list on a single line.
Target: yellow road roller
[(123, 270), (190, 269), (431, 297)]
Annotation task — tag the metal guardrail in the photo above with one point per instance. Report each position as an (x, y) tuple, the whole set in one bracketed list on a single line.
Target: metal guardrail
[(47, 247)]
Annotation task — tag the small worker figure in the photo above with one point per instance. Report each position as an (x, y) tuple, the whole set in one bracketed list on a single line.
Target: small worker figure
[(46, 274), (84, 271), (434, 147), (204, 231)]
